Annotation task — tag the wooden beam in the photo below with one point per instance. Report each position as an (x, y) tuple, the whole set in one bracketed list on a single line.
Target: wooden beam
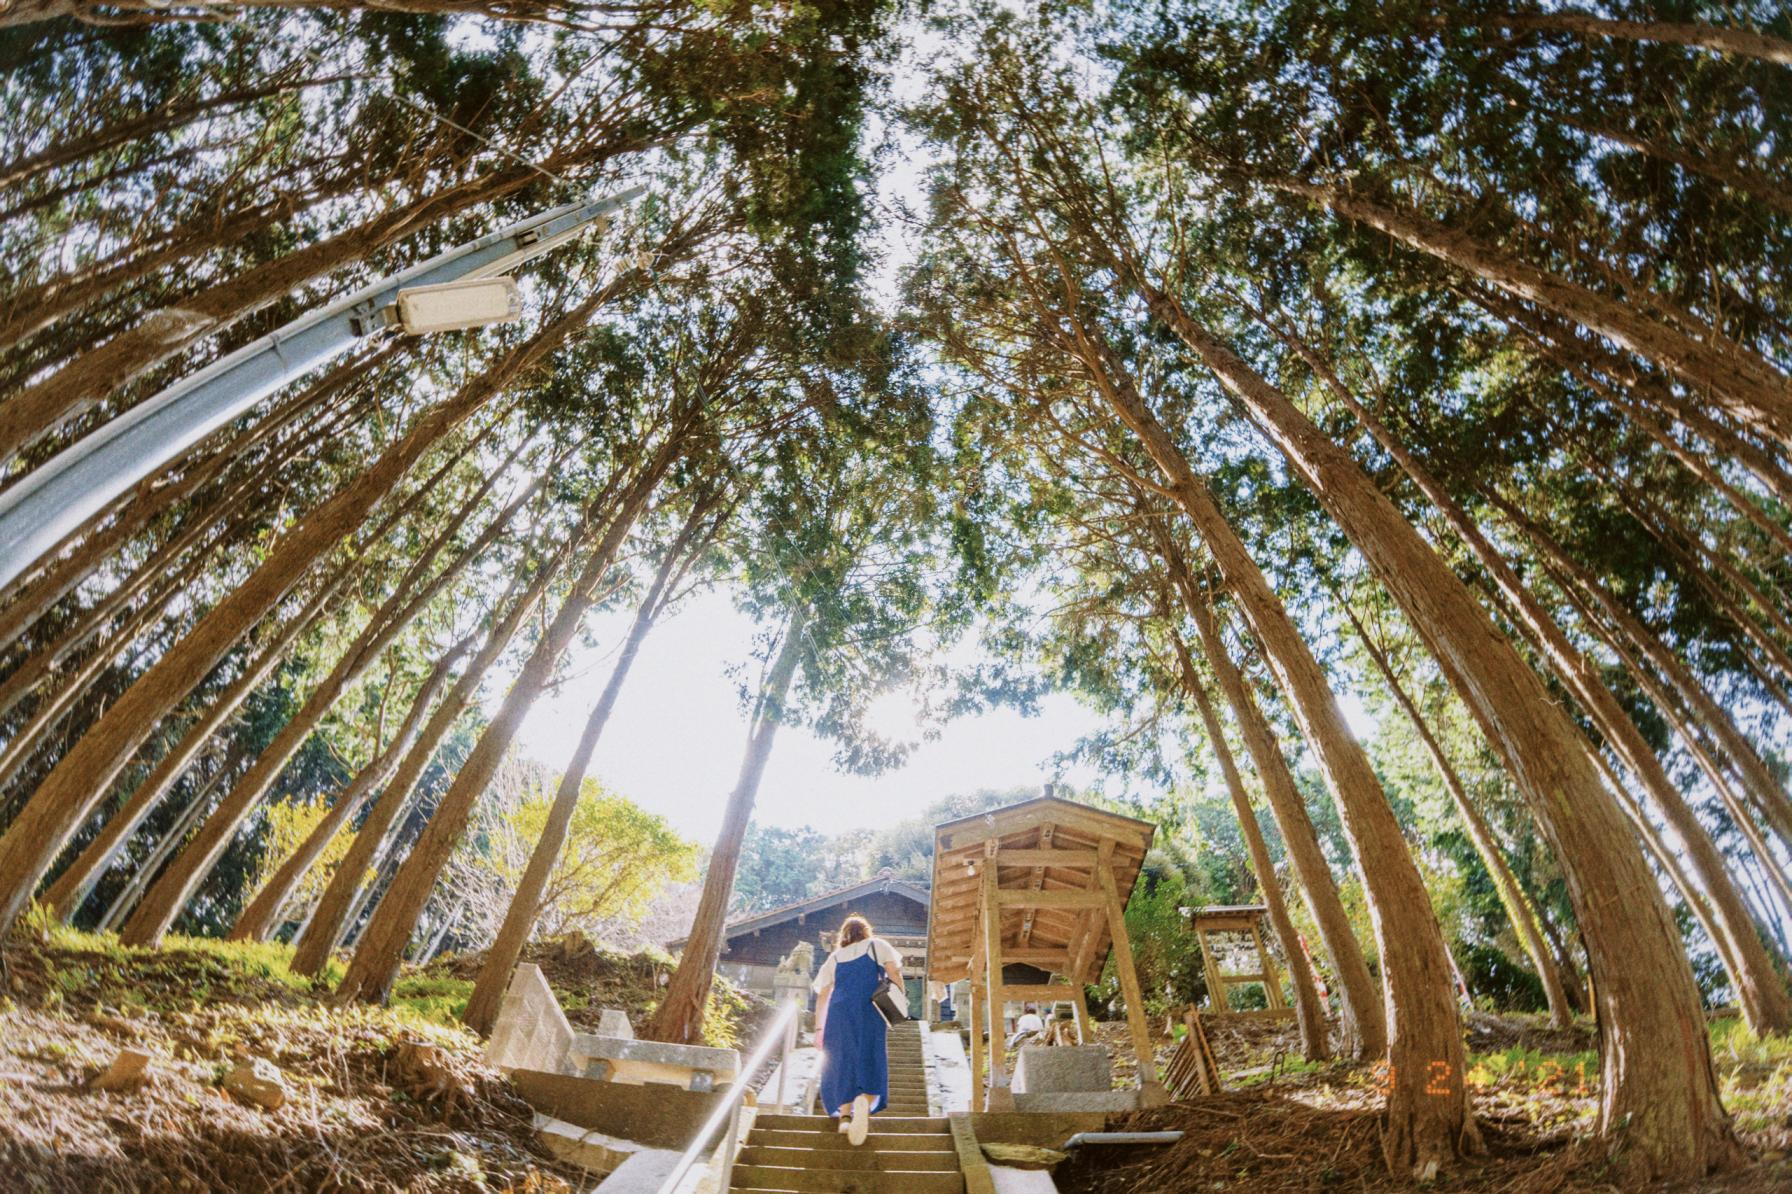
[(1069, 859), (1035, 882), (1093, 822), (999, 1097), (1083, 944), (1272, 985), (1049, 899), (1057, 959), (1151, 1091), (1038, 992)]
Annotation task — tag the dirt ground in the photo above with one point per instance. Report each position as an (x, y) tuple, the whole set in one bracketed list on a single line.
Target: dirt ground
[(395, 1099), (1282, 1125), (377, 1099)]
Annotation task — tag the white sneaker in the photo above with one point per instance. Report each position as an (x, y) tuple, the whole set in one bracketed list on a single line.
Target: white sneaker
[(861, 1124)]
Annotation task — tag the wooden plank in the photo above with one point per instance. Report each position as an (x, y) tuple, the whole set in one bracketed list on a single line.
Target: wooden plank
[(1216, 979), (1224, 924), (1049, 899), (971, 1163), (1082, 947), (1070, 859)]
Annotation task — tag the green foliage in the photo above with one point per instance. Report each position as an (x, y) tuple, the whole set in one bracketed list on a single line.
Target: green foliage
[(616, 860), (1166, 953)]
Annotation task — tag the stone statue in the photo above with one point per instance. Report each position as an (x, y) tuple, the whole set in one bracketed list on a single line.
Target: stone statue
[(800, 962)]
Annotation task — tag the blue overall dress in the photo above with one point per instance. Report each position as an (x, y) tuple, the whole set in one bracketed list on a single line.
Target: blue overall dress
[(853, 1060)]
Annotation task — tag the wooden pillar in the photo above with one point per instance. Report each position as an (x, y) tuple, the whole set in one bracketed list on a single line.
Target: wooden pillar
[(973, 1004), (1272, 982), (1216, 979), (1151, 1091), (1001, 1098)]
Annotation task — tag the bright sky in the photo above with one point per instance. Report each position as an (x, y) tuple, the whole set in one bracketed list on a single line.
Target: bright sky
[(675, 741)]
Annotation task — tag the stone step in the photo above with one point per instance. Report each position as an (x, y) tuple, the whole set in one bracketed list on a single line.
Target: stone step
[(848, 1158), (877, 1142), (823, 1181), (823, 1123)]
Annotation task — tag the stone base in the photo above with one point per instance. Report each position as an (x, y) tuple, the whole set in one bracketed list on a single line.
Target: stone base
[(636, 1063), (590, 1150), (657, 1116), (531, 1032), (1079, 1100), (1056, 1069), (643, 1173)]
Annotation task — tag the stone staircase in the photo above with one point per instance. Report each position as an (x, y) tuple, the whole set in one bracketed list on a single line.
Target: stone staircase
[(907, 1152), (902, 1155), (907, 1052)]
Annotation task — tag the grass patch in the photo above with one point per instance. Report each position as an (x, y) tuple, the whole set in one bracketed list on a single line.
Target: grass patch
[(1563, 1073), (437, 999)]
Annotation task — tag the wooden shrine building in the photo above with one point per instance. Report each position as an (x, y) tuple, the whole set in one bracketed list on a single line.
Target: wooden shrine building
[(753, 946), (1042, 883)]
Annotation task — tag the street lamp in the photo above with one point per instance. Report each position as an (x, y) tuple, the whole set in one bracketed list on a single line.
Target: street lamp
[(456, 306), (463, 287)]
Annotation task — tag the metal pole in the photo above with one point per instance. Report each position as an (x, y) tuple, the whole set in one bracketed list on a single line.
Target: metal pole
[(729, 1145), (53, 500)]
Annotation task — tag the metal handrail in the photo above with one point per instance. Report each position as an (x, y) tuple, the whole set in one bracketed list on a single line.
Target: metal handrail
[(779, 1032)]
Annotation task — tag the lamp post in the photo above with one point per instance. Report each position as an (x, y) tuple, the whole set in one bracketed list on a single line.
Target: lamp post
[(464, 287)]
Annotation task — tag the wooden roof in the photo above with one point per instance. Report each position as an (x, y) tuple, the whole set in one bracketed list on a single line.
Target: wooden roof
[(884, 880), (1044, 845)]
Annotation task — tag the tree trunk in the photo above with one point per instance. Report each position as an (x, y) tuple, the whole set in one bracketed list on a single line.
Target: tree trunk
[(72, 789), (262, 916), (1736, 376), (382, 945), (313, 944), (1674, 712), (519, 920), (1660, 1091), (679, 1018), (1755, 184), (1428, 1120), (1719, 39), (170, 893), (1769, 797), (1364, 1019), (1759, 987), (64, 696), (103, 371), (1309, 1014), (41, 305), (66, 894), (126, 899), (1505, 883), (165, 117)]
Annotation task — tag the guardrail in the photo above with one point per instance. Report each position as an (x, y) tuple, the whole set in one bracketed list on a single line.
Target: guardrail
[(780, 1034)]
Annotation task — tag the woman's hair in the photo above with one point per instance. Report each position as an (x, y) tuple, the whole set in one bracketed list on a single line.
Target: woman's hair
[(853, 929)]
